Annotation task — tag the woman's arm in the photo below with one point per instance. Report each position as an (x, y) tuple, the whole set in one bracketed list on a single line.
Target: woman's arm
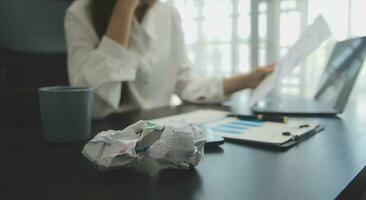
[(121, 19), (243, 81), (102, 64)]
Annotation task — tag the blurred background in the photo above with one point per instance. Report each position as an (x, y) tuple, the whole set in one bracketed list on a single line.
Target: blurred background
[(32, 54), (223, 37), (231, 36)]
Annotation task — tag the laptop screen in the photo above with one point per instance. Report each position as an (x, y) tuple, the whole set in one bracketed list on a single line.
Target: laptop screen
[(341, 73)]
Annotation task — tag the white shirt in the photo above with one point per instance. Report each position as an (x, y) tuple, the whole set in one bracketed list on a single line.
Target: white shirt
[(154, 66)]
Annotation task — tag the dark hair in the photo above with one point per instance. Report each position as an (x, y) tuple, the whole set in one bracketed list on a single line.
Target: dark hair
[(100, 12)]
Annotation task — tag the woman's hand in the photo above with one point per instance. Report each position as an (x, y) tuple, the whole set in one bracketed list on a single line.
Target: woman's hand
[(129, 5), (258, 75), (251, 80), (148, 2), (119, 26)]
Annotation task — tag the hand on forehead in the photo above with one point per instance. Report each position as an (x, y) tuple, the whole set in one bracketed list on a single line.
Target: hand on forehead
[(149, 2)]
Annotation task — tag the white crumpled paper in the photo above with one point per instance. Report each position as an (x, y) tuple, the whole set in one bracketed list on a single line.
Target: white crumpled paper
[(175, 145)]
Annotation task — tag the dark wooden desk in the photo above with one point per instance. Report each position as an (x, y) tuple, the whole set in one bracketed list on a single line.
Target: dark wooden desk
[(319, 168)]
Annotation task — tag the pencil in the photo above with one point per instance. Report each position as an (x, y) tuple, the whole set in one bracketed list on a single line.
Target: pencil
[(279, 119)]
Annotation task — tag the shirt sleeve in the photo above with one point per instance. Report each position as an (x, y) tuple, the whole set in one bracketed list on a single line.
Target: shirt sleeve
[(191, 87), (101, 64)]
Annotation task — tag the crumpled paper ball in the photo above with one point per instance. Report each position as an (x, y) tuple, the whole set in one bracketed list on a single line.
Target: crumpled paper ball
[(176, 144)]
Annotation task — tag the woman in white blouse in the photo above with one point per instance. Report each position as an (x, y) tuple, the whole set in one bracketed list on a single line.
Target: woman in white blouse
[(132, 53)]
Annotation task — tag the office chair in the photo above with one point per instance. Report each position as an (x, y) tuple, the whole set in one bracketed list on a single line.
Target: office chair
[(32, 51)]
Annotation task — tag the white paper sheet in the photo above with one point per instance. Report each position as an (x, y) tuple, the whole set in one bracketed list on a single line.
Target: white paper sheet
[(195, 117), (309, 41)]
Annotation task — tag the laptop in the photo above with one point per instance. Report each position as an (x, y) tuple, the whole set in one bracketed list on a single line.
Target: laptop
[(335, 87)]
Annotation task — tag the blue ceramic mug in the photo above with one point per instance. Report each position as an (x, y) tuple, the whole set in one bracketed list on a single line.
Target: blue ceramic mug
[(65, 113)]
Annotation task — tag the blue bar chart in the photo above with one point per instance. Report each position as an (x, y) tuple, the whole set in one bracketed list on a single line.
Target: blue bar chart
[(233, 125)]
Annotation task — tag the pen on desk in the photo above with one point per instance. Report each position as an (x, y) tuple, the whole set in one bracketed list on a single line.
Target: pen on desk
[(261, 118)]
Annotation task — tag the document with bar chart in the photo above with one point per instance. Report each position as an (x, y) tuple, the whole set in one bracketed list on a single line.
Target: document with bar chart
[(259, 131)]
